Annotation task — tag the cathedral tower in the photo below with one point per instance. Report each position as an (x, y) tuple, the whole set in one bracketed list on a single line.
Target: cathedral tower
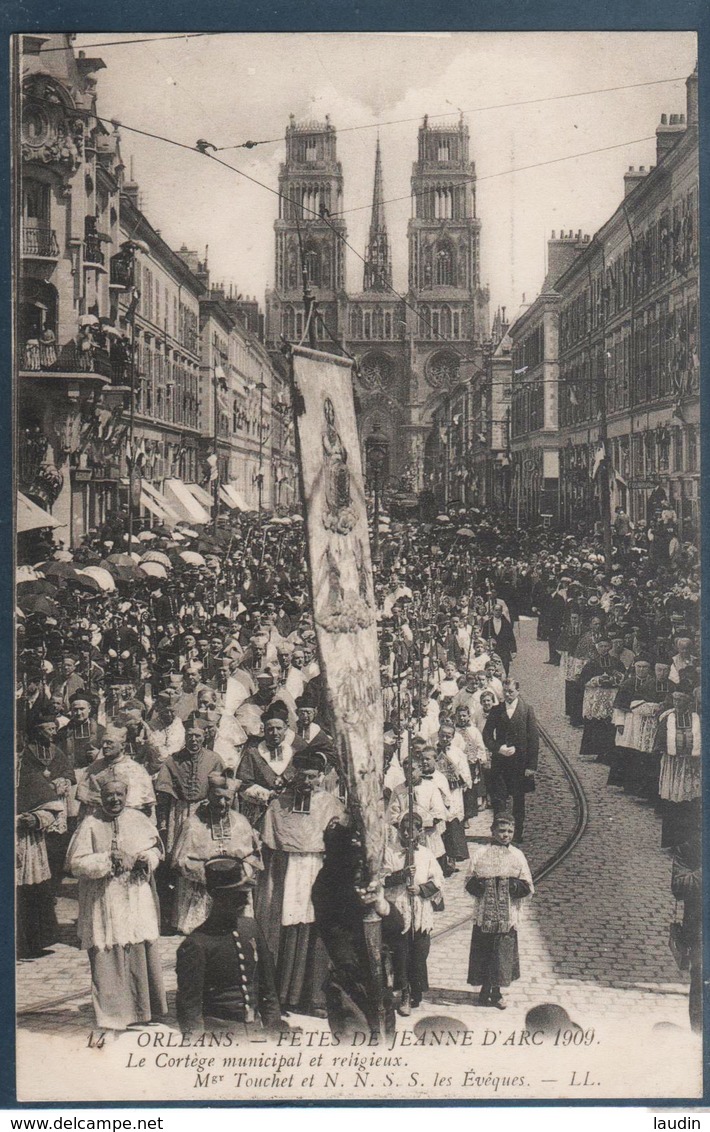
[(444, 232), (378, 265), (311, 198)]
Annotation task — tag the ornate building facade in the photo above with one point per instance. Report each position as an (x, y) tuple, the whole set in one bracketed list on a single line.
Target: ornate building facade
[(607, 358), (416, 352)]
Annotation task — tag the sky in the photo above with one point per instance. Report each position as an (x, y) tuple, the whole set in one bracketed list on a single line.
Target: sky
[(229, 88)]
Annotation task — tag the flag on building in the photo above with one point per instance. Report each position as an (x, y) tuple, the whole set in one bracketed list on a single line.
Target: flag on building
[(599, 456), (344, 610)]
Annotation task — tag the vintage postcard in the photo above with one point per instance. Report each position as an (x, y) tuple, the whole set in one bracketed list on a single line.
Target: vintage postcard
[(357, 586)]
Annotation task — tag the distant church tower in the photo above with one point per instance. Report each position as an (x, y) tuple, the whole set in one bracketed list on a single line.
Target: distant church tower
[(378, 265), (311, 188), (444, 232)]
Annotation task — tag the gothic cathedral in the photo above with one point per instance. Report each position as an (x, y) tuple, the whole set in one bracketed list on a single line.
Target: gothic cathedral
[(412, 355)]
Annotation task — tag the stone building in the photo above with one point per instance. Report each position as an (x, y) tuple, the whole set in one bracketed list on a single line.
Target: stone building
[(69, 171), (413, 351), (622, 332)]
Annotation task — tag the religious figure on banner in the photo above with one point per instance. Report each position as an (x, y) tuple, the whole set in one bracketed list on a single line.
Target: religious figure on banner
[(339, 514), (342, 603)]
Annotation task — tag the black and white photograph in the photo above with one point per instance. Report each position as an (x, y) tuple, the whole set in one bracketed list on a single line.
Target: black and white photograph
[(357, 452)]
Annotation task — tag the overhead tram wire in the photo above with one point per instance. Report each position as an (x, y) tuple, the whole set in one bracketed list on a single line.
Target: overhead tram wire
[(472, 110), (517, 169), (202, 148), (133, 42)]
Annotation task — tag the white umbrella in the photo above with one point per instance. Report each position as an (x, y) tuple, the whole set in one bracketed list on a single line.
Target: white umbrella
[(100, 575), (26, 574), (192, 558), (154, 570), (88, 320), (156, 556), (188, 532), (136, 558), (146, 536)]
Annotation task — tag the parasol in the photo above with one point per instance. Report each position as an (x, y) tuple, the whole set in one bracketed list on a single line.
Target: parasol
[(188, 531), (26, 574), (443, 519), (146, 536), (41, 586), (86, 582), (153, 570), (40, 604), (465, 532), (57, 569), (156, 556), (192, 558), (101, 576), (120, 560)]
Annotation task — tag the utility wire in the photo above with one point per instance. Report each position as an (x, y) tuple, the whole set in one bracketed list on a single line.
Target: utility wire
[(507, 172), (203, 147), (473, 110), (131, 42)]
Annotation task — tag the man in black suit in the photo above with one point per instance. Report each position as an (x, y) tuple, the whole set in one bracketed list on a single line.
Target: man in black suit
[(511, 735), (499, 631)]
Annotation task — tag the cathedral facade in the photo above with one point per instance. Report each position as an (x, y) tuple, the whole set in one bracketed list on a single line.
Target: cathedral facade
[(415, 351)]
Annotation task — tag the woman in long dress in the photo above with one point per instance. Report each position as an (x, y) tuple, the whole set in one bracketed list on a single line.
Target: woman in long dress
[(214, 830), (113, 854)]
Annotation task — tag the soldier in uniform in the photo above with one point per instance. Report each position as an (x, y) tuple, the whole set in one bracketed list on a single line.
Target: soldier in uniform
[(225, 972)]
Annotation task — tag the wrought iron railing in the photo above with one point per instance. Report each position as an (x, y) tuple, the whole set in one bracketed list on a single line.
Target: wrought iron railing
[(40, 240), (92, 249)]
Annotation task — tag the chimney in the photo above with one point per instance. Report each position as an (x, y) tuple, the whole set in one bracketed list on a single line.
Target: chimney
[(667, 134), (633, 178), (130, 187), (561, 253), (691, 86)]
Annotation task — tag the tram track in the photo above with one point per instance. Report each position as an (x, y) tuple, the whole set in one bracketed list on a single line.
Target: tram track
[(568, 845), (540, 874)]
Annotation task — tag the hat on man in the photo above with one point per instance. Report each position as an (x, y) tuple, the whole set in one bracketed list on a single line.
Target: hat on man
[(276, 710), (223, 874), (307, 699), (310, 758)]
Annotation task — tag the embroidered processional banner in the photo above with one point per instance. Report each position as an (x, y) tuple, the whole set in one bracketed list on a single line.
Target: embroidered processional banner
[(338, 548)]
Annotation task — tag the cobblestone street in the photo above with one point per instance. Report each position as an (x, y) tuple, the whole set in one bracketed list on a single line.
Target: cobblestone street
[(595, 936)]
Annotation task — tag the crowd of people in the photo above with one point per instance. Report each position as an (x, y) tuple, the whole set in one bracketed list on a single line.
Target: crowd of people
[(175, 758)]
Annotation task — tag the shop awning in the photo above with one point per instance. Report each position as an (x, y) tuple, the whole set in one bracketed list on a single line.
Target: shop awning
[(30, 517), (155, 502), (203, 497), (229, 495), (182, 499)]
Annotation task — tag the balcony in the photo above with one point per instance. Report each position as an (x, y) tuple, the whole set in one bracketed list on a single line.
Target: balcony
[(39, 242), (93, 255), (39, 358)]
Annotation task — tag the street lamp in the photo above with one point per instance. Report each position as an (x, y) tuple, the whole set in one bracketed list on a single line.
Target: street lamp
[(377, 448)]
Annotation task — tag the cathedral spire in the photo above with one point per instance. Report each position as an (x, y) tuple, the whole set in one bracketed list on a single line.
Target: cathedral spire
[(378, 267)]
